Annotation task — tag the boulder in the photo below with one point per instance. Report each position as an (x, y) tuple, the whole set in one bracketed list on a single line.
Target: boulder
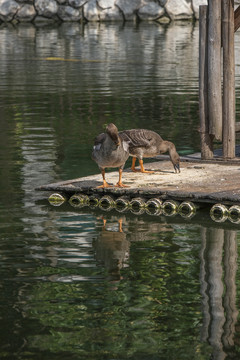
[(112, 14), (108, 11), (26, 13), (47, 8), (91, 10), (43, 20), (8, 8), (106, 4), (77, 3), (196, 4), (67, 13), (151, 11), (130, 8), (178, 9)]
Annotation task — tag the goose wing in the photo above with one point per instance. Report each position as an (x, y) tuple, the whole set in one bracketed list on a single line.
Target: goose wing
[(99, 140), (138, 137)]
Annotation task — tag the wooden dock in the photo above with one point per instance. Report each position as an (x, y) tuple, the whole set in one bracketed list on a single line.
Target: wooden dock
[(202, 182)]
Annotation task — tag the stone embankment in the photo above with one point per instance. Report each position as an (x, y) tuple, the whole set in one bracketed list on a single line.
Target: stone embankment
[(99, 10)]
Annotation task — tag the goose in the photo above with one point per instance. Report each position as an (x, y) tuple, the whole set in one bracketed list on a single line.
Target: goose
[(110, 150), (146, 143)]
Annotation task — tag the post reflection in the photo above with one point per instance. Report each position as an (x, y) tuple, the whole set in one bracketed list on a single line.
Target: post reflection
[(218, 289)]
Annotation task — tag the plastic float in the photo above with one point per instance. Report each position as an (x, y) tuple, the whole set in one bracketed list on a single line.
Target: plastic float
[(153, 206)]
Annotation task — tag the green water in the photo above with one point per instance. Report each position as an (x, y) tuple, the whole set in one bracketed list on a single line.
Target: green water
[(70, 287)]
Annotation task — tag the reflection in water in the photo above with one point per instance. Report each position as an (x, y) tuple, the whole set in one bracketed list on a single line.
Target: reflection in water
[(218, 256), (152, 264), (218, 268), (112, 249)]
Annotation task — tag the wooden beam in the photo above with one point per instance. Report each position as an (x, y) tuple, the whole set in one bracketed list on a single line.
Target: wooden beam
[(214, 69), (237, 19), (228, 79), (206, 139)]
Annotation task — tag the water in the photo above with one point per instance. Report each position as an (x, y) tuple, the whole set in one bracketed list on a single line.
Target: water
[(73, 285)]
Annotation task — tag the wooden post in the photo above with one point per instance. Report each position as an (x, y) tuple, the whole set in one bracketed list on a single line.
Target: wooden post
[(214, 69), (206, 139), (228, 79)]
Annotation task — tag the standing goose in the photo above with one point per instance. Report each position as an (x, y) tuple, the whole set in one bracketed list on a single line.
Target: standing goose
[(146, 143), (110, 150)]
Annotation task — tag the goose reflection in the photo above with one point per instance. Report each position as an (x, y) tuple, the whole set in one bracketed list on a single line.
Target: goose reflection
[(112, 249), (218, 289)]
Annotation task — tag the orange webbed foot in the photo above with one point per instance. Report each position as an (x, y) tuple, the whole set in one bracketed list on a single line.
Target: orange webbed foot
[(121, 185), (135, 170), (104, 185), (147, 171)]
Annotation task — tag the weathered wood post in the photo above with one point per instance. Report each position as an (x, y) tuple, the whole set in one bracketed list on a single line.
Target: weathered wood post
[(228, 79), (206, 139), (214, 69)]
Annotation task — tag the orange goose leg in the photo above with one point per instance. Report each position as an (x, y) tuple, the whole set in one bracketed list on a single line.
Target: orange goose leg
[(105, 184), (119, 183), (133, 164), (142, 170)]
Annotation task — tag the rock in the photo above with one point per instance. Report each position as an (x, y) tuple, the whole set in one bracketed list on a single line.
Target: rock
[(61, 2), (67, 13), (151, 11), (91, 11), (163, 20), (111, 15), (162, 2), (106, 4), (196, 4), (108, 11), (26, 13), (129, 8), (47, 8), (77, 3), (178, 10), (43, 20), (8, 8)]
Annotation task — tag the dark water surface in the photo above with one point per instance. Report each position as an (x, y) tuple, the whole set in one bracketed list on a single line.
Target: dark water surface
[(72, 288)]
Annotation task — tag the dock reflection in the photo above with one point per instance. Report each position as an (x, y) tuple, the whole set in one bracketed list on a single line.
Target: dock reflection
[(218, 269), (152, 255), (218, 289)]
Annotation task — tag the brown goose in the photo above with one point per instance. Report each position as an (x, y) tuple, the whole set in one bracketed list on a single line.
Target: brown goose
[(110, 150), (146, 143)]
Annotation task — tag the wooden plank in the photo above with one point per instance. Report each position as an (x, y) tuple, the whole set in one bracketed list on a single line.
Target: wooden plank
[(206, 139), (237, 19), (214, 69), (228, 79)]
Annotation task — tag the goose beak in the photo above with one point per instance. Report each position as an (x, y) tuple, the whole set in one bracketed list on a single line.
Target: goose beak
[(176, 168)]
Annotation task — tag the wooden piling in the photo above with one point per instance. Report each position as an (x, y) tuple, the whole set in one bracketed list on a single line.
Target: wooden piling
[(228, 79), (214, 69), (206, 139)]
